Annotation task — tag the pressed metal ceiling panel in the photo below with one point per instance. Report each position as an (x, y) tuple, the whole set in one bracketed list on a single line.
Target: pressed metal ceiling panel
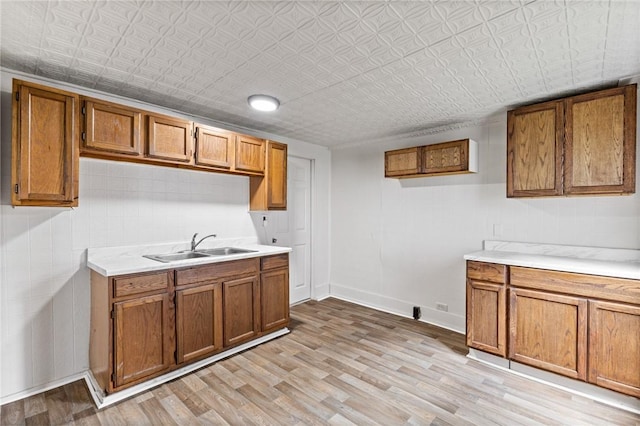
[(345, 72)]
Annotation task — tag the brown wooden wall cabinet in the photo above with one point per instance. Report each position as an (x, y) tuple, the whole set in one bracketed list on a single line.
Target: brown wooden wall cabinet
[(144, 325), (45, 146), (215, 148), (111, 128), (250, 154), (445, 158), (169, 138), (580, 145), (270, 192), (581, 326)]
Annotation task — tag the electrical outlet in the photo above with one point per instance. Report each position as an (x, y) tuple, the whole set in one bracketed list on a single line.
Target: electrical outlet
[(442, 307), (416, 312)]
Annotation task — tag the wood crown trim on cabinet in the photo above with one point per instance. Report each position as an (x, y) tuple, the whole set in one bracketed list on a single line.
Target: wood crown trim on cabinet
[(446, 158)]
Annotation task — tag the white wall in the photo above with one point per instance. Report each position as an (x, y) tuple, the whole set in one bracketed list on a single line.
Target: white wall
[(399, 243), (44, 281)]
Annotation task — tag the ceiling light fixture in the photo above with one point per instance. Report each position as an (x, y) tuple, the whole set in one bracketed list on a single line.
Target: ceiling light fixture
[(263, 102)]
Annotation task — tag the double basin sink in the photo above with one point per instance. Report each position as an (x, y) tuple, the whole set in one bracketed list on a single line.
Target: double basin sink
[(184, 255)]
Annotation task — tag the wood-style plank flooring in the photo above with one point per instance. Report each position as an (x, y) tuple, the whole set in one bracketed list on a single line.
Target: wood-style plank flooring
[(341, 364)]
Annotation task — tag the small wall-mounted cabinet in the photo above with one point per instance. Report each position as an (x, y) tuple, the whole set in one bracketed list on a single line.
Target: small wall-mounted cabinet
[(270, 192), (45, 146), (445, 158), (169, 138), (111, 128), (574, 146)]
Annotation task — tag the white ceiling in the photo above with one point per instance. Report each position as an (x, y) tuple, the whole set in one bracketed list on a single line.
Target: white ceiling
[(345, 72)]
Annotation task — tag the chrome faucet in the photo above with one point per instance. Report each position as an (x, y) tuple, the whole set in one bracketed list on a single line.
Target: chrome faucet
[(193, 240)]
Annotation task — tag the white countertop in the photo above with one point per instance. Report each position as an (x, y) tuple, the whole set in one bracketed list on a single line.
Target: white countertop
[(112, 261), (619, 263)]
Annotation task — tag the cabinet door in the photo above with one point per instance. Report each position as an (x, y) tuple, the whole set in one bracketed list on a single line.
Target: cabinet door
[(276, 176), (402, 162), (169, 139), (111, 128), (241, 305), (600, 145), (45, 152), (215, 147), (486, 317), (274, 298), (198, 322), (534, 150), (142, 342), (549, 331), (614, 346), (250, 154), (447, 157)]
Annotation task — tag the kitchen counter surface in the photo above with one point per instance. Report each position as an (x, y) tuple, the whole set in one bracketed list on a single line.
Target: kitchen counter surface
[(619, 263), (112, 261)]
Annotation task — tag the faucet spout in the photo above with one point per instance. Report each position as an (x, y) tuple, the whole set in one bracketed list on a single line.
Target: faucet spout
[(193, 240)]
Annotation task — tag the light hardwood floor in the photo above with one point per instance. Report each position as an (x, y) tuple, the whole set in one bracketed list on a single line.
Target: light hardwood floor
[(341, 364)]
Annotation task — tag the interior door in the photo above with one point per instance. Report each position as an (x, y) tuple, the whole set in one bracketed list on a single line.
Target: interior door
[(299, 204)]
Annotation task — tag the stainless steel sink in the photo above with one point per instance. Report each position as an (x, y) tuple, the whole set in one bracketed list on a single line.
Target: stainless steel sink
[(184, 255), (171, 257), (224, 251)]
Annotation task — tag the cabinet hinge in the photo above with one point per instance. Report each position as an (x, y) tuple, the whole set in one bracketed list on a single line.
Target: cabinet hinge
[(17, 96), (113, 377), (15, 188), (113, 314), (84, 110), (84, 136)]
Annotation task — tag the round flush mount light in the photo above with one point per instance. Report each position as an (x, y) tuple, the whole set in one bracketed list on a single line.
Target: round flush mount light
[(263, 102)]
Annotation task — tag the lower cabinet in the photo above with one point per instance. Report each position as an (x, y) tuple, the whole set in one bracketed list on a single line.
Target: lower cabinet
[(198, 322), (549, 331), (144, 325), (241, 307), (614, 346), (142, 342)]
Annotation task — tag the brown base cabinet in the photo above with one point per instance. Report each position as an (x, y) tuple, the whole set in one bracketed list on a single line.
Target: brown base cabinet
[(581, 326), (144, 325)]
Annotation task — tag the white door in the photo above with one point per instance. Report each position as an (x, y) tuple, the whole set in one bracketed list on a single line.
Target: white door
[(293, 228)]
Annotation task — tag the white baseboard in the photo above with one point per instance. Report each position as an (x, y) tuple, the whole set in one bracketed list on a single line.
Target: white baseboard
[(402, 308), (577, 387), (41, 388), (101, 400)]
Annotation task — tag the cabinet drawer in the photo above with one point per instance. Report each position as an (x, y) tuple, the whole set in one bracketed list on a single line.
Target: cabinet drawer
[(593, 286), (275, 262), (217, 271), (486, 271), (128, 285)]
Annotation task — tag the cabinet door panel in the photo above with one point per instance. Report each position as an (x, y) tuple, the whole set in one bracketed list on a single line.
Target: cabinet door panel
[(274, 298), (403, 162), (169, 139), (142, 338), (534, 150), (486, 317), (250, 154), (112, 128), (600, 142), (241, 304), (277, 176), (215, 147), (45, 149), (446, 158), (549, 331), (199, 322), (614, 346)]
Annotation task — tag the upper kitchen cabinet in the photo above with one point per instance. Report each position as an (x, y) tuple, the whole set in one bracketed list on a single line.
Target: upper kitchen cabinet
[(270, 192), (215, 148), (445, 158), (45, 146), (575, 146), (534, 150), (110, 129), (169, 138), (250, 154), (600, 144), (403, 162)]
